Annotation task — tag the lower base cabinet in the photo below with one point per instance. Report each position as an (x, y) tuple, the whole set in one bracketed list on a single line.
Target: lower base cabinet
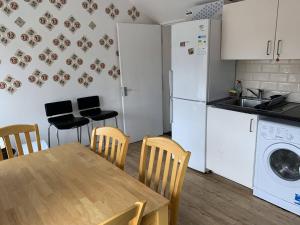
[(231, 141)]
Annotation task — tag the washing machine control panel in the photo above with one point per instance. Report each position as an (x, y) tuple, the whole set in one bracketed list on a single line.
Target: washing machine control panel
[(277, 133)]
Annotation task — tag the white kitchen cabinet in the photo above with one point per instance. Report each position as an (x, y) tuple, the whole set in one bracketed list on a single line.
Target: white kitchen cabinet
[(261, 29), (248, 29), (231, 140), (288, 31)]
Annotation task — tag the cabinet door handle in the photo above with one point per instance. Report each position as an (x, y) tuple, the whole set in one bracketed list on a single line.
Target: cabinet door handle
[(278, 48), (251, 123), (268, 47)]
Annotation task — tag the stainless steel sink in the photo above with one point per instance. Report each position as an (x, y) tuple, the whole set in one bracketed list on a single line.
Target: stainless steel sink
[(246, 102), (251, 103)]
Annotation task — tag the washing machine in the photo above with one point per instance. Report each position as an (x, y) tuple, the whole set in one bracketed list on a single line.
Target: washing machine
[(277, 165)]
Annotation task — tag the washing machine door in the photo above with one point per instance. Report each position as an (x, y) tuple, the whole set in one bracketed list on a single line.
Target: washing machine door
[(282, 162)]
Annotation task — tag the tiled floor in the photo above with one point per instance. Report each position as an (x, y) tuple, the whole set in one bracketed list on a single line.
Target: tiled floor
[(212, 200)]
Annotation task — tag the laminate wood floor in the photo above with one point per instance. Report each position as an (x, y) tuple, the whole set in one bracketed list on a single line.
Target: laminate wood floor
[(212, 200)]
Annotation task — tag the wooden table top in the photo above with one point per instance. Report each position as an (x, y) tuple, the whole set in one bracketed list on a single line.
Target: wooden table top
[(68, 185)]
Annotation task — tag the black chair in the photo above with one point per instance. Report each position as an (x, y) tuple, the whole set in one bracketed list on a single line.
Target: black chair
[(89, 107), (60, 115)]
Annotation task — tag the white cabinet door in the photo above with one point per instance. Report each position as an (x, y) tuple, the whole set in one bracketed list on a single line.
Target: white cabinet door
[(231, 140), (288, 31), (249, 29)]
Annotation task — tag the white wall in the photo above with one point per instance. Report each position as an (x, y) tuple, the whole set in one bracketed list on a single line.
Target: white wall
[(282, 76), (166, 11), (26, 105)]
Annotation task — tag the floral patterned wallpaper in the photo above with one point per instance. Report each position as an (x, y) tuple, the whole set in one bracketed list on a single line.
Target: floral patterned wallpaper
[(53, 50), (62, 33)]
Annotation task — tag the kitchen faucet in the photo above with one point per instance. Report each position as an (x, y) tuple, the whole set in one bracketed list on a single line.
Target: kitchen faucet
[(258, 95)]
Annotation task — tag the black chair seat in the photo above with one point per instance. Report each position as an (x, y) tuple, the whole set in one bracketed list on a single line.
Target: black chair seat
[(105, 115), (89, 107), (60, 115), (97, 114), (68, 122)]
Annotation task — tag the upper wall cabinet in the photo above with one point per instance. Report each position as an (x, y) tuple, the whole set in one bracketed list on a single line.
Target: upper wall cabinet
[(248, 29), (288, 30), (261, 29)]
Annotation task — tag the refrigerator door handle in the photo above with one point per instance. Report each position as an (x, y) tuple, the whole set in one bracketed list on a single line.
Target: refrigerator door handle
[(171, 83), (171, 110), (171, 95)]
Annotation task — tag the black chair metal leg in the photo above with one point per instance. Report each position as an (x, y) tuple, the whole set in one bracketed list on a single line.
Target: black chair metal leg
[(49, 136), (77, 134), (116, 122), (80, 134), (88, 130), (57, 136), (104, 123)]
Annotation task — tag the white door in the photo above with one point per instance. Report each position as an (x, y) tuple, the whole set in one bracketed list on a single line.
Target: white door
[(249, 29), (188, 130), (141, 79), (189, 59), (231, 141), (288, 32)]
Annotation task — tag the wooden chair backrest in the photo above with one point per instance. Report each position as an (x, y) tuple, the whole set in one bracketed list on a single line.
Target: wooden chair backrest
[(16, 130), (112, 145), (131, 216), (170, 161)]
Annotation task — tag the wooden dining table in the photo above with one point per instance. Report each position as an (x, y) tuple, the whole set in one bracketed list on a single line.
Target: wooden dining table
[(71, 185)]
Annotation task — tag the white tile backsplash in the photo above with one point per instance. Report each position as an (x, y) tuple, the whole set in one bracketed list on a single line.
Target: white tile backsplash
[(282, 76), (270, 86), (253, 68), (270, 68), (294, 78), (288, 87), (261, 76), (278, 77)]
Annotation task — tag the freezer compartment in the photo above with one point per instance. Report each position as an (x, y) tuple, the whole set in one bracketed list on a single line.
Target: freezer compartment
[(188, 130)]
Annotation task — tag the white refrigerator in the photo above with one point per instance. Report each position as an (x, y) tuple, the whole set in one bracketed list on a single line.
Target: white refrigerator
[(198, 76)]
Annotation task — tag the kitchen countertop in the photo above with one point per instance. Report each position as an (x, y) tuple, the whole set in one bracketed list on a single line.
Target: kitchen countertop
[(285, 110)]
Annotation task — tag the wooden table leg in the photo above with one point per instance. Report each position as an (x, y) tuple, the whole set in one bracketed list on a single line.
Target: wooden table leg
[(160, 217)]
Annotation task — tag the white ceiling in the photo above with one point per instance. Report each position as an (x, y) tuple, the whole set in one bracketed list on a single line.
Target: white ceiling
[(166, 11)]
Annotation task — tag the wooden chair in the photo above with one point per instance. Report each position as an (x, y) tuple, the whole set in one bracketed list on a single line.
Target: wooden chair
[(169, 182), (112, 144), (131, 216), (16, 130)]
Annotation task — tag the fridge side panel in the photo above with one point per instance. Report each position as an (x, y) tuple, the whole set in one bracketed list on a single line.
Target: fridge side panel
[(189, 130), (221, 73), (190, 60)]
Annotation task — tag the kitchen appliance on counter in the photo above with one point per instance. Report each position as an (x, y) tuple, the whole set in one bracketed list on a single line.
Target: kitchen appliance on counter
[(277, 169), (198, 76)]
